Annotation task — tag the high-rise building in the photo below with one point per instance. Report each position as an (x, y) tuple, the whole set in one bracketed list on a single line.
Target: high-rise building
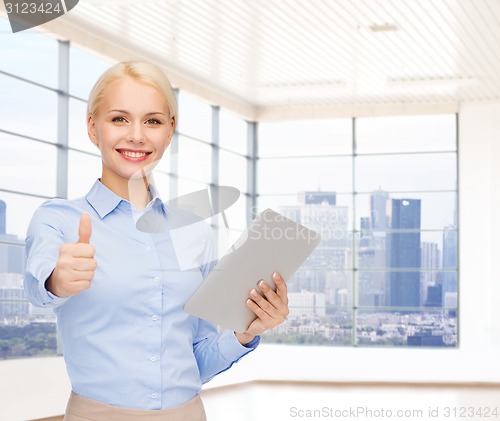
[(450, 264), (371, 252), (324, 271), (11, 247), (13, 305), (11, 254), (431, 263), (434, 296), (403, 253), (3, 217), (378, 209)]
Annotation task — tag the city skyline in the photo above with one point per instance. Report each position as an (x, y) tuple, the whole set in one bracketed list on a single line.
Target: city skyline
[(395, 278)]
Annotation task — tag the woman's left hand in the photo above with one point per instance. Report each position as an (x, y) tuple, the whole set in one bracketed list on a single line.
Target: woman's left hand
[(271, 308)]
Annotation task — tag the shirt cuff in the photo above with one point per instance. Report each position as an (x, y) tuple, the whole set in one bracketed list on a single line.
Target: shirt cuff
[(231, 349), (46, 297)]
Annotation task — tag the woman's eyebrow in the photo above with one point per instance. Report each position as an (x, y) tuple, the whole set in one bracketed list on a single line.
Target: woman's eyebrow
[(147, 114)]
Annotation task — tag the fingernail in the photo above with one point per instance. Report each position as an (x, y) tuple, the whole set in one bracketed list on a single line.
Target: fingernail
[(275, 276), (254, 292), (262, 284)]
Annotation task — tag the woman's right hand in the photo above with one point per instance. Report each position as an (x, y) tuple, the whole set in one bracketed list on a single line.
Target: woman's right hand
[(75, 266)]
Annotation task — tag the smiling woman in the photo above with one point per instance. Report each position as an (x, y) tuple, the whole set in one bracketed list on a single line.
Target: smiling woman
[(107, 279)]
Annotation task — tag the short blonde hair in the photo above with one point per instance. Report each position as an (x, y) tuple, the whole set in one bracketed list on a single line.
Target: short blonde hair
[(141, 71)]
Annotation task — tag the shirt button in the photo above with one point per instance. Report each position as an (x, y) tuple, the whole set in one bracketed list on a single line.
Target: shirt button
[(157, 280), (154, 395), (155, 317), (152, 359), (148, 248)]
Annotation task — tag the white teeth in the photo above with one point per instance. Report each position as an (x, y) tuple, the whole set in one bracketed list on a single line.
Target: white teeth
[(134, 154)]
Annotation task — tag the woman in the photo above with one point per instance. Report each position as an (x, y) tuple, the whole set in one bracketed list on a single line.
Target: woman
[(131, 351)]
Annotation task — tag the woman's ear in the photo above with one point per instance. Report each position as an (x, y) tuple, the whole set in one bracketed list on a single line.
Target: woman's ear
[(171, 133), (91, 129), (172, 126)]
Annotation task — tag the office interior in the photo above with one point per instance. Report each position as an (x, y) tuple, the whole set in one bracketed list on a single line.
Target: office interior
[(315, 108)]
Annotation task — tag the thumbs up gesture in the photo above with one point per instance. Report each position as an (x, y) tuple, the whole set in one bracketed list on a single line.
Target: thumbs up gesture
[(76, 264)]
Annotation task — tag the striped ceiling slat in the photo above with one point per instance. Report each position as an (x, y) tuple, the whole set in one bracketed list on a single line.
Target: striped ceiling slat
[(305, 53)]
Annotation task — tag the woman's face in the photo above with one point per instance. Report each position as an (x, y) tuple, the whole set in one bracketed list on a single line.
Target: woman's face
[(132, 129)]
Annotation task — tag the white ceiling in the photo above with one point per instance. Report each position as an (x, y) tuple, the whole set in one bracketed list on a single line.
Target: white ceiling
[(266, 58)]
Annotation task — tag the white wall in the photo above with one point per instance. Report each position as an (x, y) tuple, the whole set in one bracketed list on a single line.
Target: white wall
[(39, 388)]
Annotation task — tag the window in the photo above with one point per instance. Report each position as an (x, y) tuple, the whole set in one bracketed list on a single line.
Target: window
[(195, 118), (384, 196), (28, 55), (36, 117), (382, 191), (84, 69), (28, 170)]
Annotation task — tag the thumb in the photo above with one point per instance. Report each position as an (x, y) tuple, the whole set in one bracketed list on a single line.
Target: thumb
[(85, 229)]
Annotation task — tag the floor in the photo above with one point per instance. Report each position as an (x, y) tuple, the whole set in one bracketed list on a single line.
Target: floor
[(283, 401)]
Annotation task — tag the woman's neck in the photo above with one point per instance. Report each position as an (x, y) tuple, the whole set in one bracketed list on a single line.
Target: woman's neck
[(135, 190), (138, 192)]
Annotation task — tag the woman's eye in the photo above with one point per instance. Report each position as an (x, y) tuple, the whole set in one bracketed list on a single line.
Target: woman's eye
[(118, 119), (153, 121)]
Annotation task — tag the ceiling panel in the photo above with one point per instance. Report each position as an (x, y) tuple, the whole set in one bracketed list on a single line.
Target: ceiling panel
[(271, 54)]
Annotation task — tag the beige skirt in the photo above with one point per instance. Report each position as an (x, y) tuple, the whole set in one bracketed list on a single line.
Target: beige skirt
[(83, 409)]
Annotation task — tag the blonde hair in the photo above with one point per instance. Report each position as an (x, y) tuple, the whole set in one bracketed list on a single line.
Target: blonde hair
[(141, 71)]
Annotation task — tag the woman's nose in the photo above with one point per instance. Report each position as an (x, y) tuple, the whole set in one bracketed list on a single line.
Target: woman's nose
[(136, 133)]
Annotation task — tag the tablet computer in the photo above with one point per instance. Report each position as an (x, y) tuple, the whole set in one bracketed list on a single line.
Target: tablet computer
[(271, 243)]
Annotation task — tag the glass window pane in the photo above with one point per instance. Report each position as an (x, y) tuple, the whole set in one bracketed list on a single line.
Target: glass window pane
[(33, 170), (408, 289), (423, 133), (195, 118), (188, 186), (84, 70), (77, 126), (437, 210), (309, 325), (19, 210), (38, 338), (195, 160), (332, 221), (292, 175), (275, 202), (303, 138), (29, 55), (224, 238), (28, 109), (165, 165), (405, 221), (233, 170), (407, 249), (413, 172), (236, 219), (162, 182), (232, 133), (83, 171), (236, 215), (419, 328)]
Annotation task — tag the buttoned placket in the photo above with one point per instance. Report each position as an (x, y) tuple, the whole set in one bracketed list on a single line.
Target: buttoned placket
[(154, 325)]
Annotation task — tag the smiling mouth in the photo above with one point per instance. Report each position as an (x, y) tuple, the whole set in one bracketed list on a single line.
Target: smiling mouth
[(133, 154)]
